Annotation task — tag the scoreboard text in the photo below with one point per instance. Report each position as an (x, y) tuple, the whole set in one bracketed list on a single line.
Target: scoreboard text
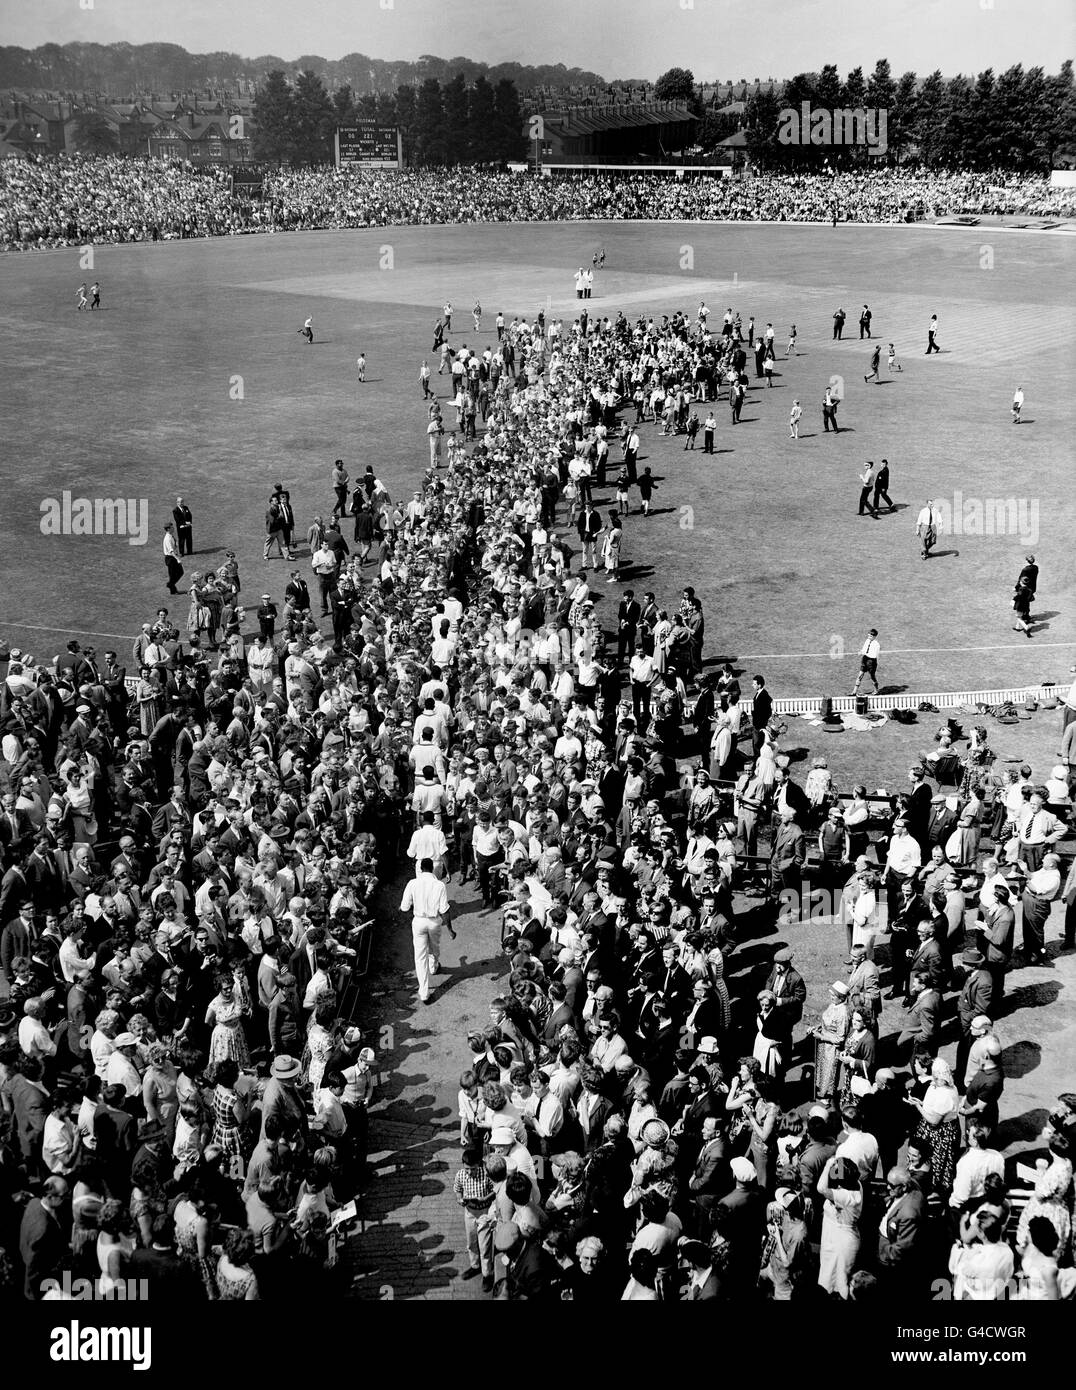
[(367, 145)]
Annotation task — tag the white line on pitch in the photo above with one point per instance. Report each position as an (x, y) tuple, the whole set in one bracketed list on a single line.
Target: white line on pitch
[(76, 631), (900, 651)]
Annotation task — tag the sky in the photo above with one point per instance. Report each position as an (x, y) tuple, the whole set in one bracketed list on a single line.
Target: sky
[(717, 39)]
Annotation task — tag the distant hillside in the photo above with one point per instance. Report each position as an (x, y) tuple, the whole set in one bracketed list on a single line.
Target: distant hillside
[(123, 69)]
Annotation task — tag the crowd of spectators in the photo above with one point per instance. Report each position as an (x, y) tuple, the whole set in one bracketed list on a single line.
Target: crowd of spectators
[(191, 861), (72, 200)]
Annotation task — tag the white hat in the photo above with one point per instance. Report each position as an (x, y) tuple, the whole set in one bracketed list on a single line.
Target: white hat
[(743, 1170), (708, 1047)]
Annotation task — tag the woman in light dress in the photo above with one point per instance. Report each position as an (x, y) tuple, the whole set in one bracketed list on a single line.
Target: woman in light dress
[(225, 1017), (842, 1192)]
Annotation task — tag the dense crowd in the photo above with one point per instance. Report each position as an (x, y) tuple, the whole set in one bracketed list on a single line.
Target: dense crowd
[(192, 860), (72, 200)]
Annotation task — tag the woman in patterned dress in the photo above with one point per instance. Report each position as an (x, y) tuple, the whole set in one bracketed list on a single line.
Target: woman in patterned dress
[(236, 1280), (225, 1017), (1052, 1198), (938, 1130), (320, 1039), (859, 1053), (829, 1039), (229, 1110)]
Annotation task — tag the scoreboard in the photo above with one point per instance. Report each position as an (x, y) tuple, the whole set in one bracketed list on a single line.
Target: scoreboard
[(368, 145)]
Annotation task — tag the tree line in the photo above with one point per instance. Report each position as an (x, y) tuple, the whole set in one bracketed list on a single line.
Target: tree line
[(133, 70), (1021, 119), (441, 125)]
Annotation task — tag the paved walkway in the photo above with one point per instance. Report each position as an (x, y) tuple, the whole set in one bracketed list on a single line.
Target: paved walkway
[(413, 1243)]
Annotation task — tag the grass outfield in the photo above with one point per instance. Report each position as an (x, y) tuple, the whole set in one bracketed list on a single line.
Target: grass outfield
[(137, 400)]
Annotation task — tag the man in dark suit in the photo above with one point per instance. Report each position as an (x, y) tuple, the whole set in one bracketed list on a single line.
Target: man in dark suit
[(710, 1178), (901, 1229), (589, 527), (572, 978), (43, 877), (561, 1015), (14, 888), (789, 989), (115, 1133), (904, 939), (527, 1269), (761, 711), (183, 519), (674, 983), (789, 795), (920, 1031), (627, 626), (976, 1001), (997, 934), (43, 1243), (705, 1016), (18, 938), (15, 825), (942, 820), (168, 1277), (917, 811), (928, 959), (787, 858)]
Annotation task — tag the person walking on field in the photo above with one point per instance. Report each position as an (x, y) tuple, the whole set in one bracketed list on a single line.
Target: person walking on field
[(647, 486), (881, 487), (866, 479), (170, 548), (838, 324), (868, 662), (876, 357), (829, 411), (794, 420), (932, 336), (1017, 405), (926, 528), (865, 322)]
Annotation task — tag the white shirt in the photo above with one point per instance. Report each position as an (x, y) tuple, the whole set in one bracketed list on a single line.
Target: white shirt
[(862, 1149), (427, 843), (57, 1143), (972, 1170), (904, 855), (123, 1072), (34, 1038), (425, 897), (871, 648)]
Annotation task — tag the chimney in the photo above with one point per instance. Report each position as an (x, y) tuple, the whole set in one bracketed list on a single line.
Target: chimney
[(190, 119)]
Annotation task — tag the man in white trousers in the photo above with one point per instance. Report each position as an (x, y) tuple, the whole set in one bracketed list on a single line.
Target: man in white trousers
[(427, 901)]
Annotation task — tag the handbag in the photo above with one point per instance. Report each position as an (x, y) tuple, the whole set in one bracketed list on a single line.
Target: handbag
[(861, 1085)]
